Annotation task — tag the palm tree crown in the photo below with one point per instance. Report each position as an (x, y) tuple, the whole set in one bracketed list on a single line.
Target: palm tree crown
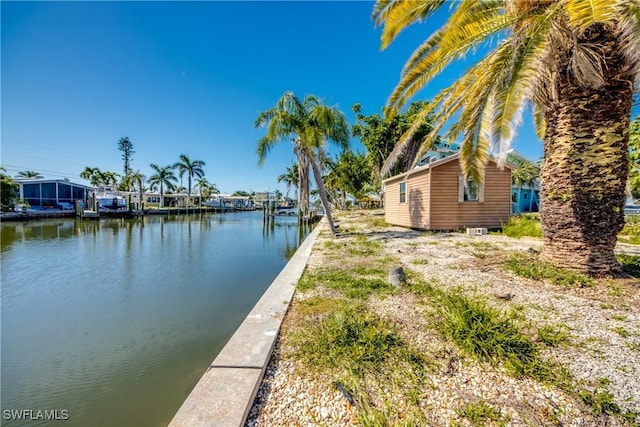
[(28, 174), (192, 168), (162, 177), (290, 177)]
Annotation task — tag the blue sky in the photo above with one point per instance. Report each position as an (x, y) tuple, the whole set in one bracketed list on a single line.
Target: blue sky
[(186, 77)]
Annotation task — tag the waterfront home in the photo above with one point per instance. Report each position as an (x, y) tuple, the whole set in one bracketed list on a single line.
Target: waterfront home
[(51, 193), (152, 200), (436, 196)]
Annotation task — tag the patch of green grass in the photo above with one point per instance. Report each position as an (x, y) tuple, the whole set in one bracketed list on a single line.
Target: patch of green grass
[(621, 331), (532, 268), (420, 261), (631, 231), (601, 402), (484, 246), (333, 244), (362, 246), (619, 317), (352, 341), (307, 282), (553, 336), (318, 306), (352, 286), (630, 264), (486, 334), (351, 338), (633, 346), (523, 225), (480, 412)]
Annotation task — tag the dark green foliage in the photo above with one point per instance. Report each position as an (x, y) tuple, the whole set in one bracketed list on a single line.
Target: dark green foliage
[(8, 189), (379, 135), (126, 147), (630, 264)]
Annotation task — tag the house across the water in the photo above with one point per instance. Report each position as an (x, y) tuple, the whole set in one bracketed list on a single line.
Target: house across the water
[(51, 193), (436, 196)]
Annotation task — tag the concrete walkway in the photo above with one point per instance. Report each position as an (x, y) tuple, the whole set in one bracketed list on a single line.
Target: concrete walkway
[(224, 395)]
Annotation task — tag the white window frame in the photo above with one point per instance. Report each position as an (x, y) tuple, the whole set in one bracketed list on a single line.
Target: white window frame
[(403, 194)]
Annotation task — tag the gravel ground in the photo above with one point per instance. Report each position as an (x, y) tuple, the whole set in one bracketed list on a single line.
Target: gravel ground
[(603, 323)]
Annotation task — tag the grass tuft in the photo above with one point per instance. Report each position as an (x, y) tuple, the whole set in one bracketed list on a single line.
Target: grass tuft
[(523, 225), (482, 332), (479, 413), (533, 268), (553, 336), (348, 338)]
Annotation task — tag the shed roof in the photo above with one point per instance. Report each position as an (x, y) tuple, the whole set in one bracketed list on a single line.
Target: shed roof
[(435, 164)]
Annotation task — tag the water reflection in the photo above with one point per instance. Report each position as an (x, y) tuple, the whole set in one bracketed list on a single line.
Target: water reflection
[(115, 320)]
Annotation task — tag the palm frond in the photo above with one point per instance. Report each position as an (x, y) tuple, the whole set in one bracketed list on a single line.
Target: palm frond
[(539, 121), (396, 15), (517, 70), (584, 13), (453, 41), (587, 66), (629, 29)]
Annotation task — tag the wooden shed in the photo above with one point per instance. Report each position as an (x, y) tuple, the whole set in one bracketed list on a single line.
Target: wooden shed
[(436, 196)]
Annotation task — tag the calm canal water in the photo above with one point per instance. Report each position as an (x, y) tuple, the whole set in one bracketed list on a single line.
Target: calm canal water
[(115, 321)]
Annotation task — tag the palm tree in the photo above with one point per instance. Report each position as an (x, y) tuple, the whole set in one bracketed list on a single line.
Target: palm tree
[(205, 188), (575, 62), (110, 179), (28, 174), (309, 124), (162, 177), (93, 175), (137, 178), (290, 177), (191, 169)]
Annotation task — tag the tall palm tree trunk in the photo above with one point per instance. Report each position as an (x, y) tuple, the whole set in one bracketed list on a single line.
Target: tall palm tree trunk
[(303, 175), (322, 192), (582, 211)]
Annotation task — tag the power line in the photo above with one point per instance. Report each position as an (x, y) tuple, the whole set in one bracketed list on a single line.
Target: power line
[(17, 168)]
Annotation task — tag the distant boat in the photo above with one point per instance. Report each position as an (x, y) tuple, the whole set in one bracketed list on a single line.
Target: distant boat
[(218, 203), (286, 210), (112, 203)]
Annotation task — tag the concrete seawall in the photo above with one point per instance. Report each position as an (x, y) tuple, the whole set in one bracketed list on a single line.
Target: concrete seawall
[(224, 395)]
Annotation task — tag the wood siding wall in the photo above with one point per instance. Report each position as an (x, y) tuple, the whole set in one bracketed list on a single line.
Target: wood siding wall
[(448, 213), (414, 213), (432, 199)]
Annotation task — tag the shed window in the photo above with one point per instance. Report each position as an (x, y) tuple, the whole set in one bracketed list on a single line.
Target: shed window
[(469, 190), (403, 192)]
